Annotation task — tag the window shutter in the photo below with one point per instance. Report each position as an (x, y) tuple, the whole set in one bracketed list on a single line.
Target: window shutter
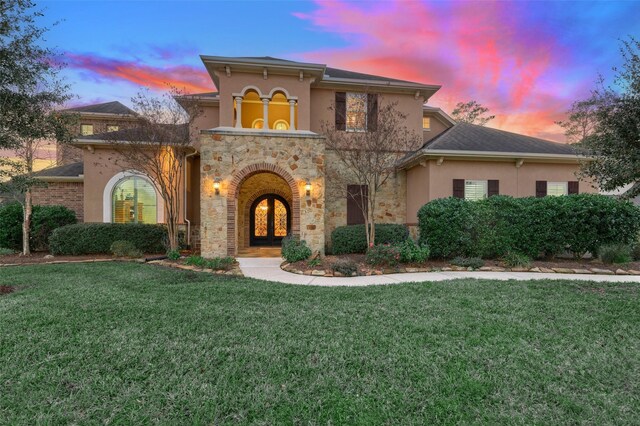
[(372, 112), (341, 111), (493, 187), (574, 187), (458, 188), (357, 199), (541, 188)]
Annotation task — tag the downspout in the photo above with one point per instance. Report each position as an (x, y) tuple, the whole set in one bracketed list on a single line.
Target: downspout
[(187, 221)]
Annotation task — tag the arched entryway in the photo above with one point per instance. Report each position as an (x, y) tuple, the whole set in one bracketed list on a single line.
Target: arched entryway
[(270, 220)]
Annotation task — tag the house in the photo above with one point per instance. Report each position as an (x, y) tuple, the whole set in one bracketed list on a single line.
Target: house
[(260, 166)]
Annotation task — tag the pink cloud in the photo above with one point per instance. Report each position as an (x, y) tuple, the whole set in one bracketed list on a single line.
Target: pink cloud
[(188, 78), (476, 50)]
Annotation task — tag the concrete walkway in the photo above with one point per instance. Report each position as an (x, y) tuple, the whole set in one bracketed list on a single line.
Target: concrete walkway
[(269, 269)]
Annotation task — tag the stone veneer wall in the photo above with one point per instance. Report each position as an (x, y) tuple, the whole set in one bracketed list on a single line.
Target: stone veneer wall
[(68, 194), (391, 200), (233, 157)]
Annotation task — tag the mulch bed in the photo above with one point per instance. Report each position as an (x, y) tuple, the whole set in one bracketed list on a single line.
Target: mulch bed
[(234, 270), (41, 257), (560, 265)]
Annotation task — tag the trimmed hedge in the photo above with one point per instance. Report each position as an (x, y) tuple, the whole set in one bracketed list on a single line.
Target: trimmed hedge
[(97, 238), (44, 219), (353, 239), (530, 226)]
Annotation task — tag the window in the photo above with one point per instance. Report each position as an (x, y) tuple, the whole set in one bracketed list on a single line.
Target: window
[(356, 112), (426, 123), (281, 125), (475, 189), (258, 123), (134, 201), (113, 128), (557, 188), (357, 201), (86, 129)]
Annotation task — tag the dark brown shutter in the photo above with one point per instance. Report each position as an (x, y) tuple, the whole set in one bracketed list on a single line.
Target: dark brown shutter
[(574, 187), (541, 188), (372, 112), (341, 111), (357, 200), (458, 188), (493, 187)]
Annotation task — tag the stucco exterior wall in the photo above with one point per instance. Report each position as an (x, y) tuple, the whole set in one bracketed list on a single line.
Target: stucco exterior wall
[(238, 81), (437, 127), (68, 194), (233, 158), (432, 181)]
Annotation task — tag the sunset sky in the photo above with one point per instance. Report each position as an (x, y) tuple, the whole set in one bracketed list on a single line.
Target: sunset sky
[(526, 61)]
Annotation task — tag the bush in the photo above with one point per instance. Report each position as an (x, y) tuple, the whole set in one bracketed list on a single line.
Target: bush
[(96, 238), (125, 249), (173, 254), (44, 220), (410, 252), (530, 226), (615, 253), (383, 255), (346, 267), (294, 249), (6, 251), (635, 250), (516, 260), (217, 263), (468, 262), (353, 239)]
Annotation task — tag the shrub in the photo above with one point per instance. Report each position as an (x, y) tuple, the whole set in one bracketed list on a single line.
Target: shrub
[(173, 254), (194, 260), (353, 239), (346, 267), (468, 262), (635, 250), (530, 226), (217, 263), (44, 220), (410, 252), (6, 251), (383, 255), (294, 249), (615, 253), (516, 260), (96, 238), (125, 248)]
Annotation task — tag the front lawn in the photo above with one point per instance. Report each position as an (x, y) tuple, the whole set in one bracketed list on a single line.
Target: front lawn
[(126, 343)]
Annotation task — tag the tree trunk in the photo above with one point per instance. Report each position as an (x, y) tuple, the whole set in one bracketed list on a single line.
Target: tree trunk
[(26, 223)]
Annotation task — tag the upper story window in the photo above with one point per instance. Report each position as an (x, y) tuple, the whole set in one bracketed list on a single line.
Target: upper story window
[(113, 128), (356, 112), (426, 123), (557, 188), (86, 129), (281, 125)]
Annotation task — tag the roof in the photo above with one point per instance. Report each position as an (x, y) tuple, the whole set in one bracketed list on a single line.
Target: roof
[(352, 75), (67, 170), (471, 137), (115, 108), (438, 111), (131, 134)]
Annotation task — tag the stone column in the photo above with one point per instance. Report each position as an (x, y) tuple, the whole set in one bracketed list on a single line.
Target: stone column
[(265, 113), (292, 115), (238, 111)]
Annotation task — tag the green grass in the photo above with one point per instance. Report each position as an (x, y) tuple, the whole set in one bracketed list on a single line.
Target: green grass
[(125, 343)]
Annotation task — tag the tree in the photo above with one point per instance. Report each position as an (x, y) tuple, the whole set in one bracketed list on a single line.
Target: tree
[(158, 145), (581, 120), (367, 156), (30, 93), (614, 144), (471, 112)]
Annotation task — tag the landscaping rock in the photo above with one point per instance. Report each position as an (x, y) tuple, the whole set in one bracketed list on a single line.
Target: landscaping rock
[(485, 268), (412, 270), (547, 270), (602, 271), (338, 274), (446, 269), (49, 256), (307, 272), (634, 272), (497, 269), (563, 270), (536, 269), (621, 272), (519, 269), (317, 273), (582, 271), (456, 268)]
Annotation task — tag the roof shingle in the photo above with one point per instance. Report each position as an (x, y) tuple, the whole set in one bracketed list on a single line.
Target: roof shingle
[(115, 108)]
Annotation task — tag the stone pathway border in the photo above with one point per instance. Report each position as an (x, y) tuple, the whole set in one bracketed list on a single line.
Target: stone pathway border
[(269, 269)]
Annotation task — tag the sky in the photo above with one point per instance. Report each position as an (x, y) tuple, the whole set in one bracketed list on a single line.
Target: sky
[(525, 61)]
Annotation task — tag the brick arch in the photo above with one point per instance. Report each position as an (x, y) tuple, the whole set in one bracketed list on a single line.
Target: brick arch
[(234, 190), (253, 197)]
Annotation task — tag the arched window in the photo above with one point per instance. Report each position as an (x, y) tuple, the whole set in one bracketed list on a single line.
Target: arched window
[(134, 200)]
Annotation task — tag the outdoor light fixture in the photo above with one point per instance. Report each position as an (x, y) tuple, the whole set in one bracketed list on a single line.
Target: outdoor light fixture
[(307, 187), (216, 185)]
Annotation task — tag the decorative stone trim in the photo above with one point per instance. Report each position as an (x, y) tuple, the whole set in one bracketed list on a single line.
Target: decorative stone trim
[(234, 271)]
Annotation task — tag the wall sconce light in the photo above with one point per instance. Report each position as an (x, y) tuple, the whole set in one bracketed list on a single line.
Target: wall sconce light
[(307, 187), (216, 185)]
